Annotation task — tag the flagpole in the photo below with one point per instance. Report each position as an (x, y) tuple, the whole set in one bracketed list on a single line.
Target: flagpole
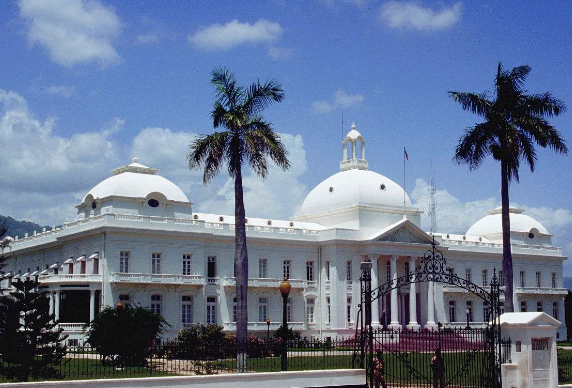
[(404, 188)]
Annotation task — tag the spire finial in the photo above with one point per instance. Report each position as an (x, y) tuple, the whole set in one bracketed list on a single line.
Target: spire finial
[(135, 160), (353, 125)]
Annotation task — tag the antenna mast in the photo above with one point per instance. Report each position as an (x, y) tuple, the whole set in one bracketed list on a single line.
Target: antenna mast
[(433, 206), (342, 125)]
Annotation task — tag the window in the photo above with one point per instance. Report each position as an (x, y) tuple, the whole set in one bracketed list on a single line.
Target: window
[(327, 265), (70, 266), (262, 268), (156, 263), (470, 310), (82, 267), (211, 267), (186, 310), (310, 271), (553, 279), (310, 311), (156, 301), (124, 298), (211, 309), (452, 311), (187, 266), (523, 306), (388, 271), (124, 261), (329, 310), (262, 309), (95, 266), (234, 308), (289, 310), (349, 271), (286, 269), (538, 279), (468, 275), (153, 202), (486, 312), (540, 344), (522, 279), (539, 306), (485, 277), (349, 310), (501, 278), (555, 310)]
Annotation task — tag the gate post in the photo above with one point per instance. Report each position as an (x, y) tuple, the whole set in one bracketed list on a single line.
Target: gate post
[(366, 296)]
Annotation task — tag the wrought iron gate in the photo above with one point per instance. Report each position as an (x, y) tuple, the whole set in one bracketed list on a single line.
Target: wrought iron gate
[(469, 357)]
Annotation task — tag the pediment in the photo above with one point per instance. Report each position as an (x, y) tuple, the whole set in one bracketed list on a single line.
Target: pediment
[(403, 231)]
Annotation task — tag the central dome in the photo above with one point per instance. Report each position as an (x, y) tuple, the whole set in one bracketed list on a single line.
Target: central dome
[(354, 188), (354, 185)]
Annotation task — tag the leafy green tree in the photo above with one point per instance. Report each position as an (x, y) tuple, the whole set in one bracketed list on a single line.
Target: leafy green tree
[(514, 123), (124, 335), (31, 343), (247, 139), (203, 342)]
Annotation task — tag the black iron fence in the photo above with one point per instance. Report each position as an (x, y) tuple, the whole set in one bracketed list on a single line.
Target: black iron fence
[(564, 368), (84, 362)]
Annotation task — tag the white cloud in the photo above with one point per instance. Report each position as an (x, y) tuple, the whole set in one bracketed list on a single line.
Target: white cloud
[(234, 33), (277, 53), (147, 38), (412, 15), (42, 171), (73, 31), (56, 90), (340, 99)]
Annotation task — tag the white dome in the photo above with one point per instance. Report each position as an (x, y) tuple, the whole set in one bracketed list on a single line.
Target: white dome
[(492, 223), (351, 188), (136, 181)]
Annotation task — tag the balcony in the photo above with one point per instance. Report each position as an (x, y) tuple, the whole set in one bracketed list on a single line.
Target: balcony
[(262, 326), (541, 291), (268, 283), (72, 327), (147, 278), (70, 278)]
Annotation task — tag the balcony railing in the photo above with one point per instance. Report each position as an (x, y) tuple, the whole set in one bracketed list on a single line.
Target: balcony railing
[(146, 278), (70, 278), (72, 327), (262, 326), (267, 282), (541, 291)]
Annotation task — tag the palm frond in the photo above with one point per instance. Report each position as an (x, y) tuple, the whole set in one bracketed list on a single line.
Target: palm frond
[(226, 90), (210, 150), (262, 136), (518, 75), (476, 103), (542, 104), (258, 96), (475, 145)]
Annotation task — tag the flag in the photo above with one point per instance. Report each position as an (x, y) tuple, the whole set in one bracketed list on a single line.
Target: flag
[(405, 154)]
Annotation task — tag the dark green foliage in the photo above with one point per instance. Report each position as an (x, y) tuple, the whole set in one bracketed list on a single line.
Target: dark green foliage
[(568, 312), (123, 336), (31, 345), (289, 334), (17, 228), (203, 342)]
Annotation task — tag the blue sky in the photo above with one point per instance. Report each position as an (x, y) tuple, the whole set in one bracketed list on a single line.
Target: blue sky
[(86, 85)]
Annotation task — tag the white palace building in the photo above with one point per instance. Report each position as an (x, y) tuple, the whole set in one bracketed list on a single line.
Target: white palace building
[(137, 240)]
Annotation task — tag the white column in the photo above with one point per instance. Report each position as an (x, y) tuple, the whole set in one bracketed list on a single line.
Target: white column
[(51, 298), (431, 306), (57, 305), (91, 305), (353, 149), (413, 325), (374, 286), (394, 324)]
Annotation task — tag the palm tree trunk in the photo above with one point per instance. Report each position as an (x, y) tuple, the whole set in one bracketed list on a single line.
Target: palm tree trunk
[(240, 273), (506, 249)]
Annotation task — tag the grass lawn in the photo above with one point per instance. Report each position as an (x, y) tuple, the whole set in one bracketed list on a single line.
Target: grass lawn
[(89, 369)]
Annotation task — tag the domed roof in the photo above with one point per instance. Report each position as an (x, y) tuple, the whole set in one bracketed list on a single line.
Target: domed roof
[(136, 181), (351, 188), (492, 223)]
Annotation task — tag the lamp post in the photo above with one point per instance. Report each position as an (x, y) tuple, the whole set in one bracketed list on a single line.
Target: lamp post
[(119, 305), (268, 328), (285, 288)]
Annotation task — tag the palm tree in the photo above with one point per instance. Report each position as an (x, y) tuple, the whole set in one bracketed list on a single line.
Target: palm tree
[(247, 139), (514, 123)]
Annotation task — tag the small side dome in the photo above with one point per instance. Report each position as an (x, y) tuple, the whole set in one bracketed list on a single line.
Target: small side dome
[(136, 181), (521, 223)]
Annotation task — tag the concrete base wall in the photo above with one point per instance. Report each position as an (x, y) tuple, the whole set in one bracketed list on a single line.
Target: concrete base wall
[(348, 378)]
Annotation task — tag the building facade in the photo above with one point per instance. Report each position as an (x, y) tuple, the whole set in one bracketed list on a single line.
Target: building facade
[(137, 240)]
